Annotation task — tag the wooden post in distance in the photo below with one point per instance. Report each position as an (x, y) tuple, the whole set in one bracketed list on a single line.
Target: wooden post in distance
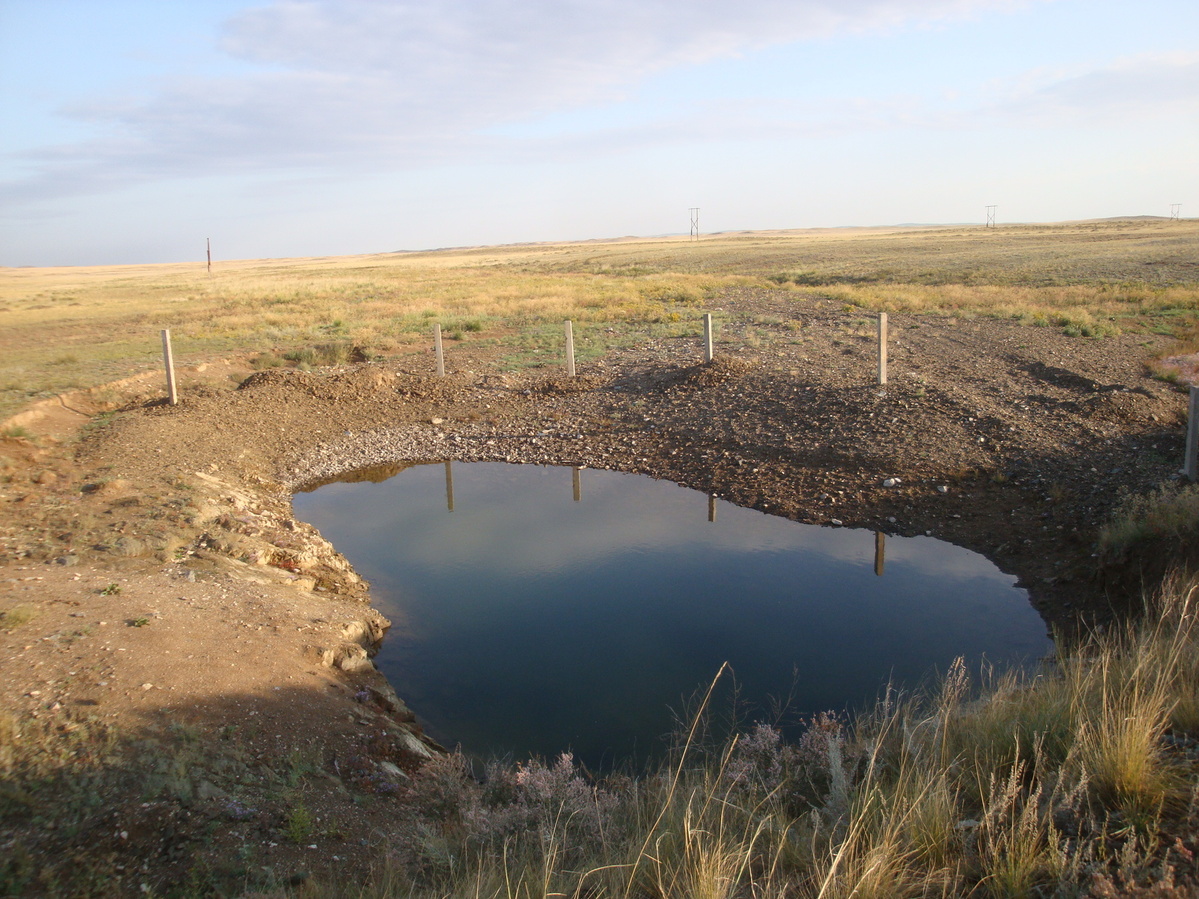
[(437, 351), (570, 350), (707, 337)]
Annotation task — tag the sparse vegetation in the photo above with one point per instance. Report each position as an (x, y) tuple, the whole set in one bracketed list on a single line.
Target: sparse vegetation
[(1090, 279), (324, 354), (1049, 784), (299, 824), (17, 617), (1169, 515)]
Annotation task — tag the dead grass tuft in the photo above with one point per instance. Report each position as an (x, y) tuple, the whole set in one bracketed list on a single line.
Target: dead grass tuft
[(16, 617)]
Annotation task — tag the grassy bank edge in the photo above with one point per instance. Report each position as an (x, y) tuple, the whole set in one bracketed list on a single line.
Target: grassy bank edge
[(1070, 781)]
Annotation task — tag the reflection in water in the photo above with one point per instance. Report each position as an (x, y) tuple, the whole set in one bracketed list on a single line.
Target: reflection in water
[(880, 552), (576, 479), (530, 622), (449, 487)]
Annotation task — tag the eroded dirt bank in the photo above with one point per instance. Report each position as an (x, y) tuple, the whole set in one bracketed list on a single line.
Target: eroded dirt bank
[(174, 603)]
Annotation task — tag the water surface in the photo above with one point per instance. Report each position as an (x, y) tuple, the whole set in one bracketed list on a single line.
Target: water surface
[(539, 609)]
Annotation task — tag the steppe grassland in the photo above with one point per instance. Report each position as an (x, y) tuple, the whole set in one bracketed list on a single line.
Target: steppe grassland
[(77, 327)]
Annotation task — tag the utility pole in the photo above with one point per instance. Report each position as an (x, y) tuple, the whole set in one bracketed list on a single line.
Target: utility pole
[(209, 239), (1175, 209), (991, 216), (695, 223)]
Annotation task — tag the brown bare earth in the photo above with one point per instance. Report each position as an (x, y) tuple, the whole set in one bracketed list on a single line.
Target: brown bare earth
[(170, 627)]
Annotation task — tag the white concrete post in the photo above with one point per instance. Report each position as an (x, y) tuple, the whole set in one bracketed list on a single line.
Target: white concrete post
[(1190, 466), (882, 348), (168, 360)]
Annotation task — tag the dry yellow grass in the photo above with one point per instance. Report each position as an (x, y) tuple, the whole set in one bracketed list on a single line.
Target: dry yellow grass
[(924, 798), (62, 328)]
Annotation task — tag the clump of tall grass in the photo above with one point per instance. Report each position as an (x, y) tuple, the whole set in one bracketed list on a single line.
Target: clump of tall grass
[(1011, 785), (1170, 514), (324, 354)]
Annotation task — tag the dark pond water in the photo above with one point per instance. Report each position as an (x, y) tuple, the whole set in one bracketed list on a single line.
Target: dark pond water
[(541, 609)]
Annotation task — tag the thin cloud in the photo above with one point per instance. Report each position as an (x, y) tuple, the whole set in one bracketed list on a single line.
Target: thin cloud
[(1141, 88), (359, 85)]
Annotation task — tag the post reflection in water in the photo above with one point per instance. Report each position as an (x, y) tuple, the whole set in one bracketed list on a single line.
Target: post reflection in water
[(880, 552), (576, 479), (534, 624)]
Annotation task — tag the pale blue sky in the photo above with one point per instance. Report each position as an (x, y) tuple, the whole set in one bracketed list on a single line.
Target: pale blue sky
[(131, 131)]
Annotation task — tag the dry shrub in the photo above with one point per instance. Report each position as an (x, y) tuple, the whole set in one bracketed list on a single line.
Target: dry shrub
[(1018, 847), (16, 617), (1169, 515)]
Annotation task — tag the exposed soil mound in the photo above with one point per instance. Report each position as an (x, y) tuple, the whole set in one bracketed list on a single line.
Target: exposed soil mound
[(565, 386), (719, 371)]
